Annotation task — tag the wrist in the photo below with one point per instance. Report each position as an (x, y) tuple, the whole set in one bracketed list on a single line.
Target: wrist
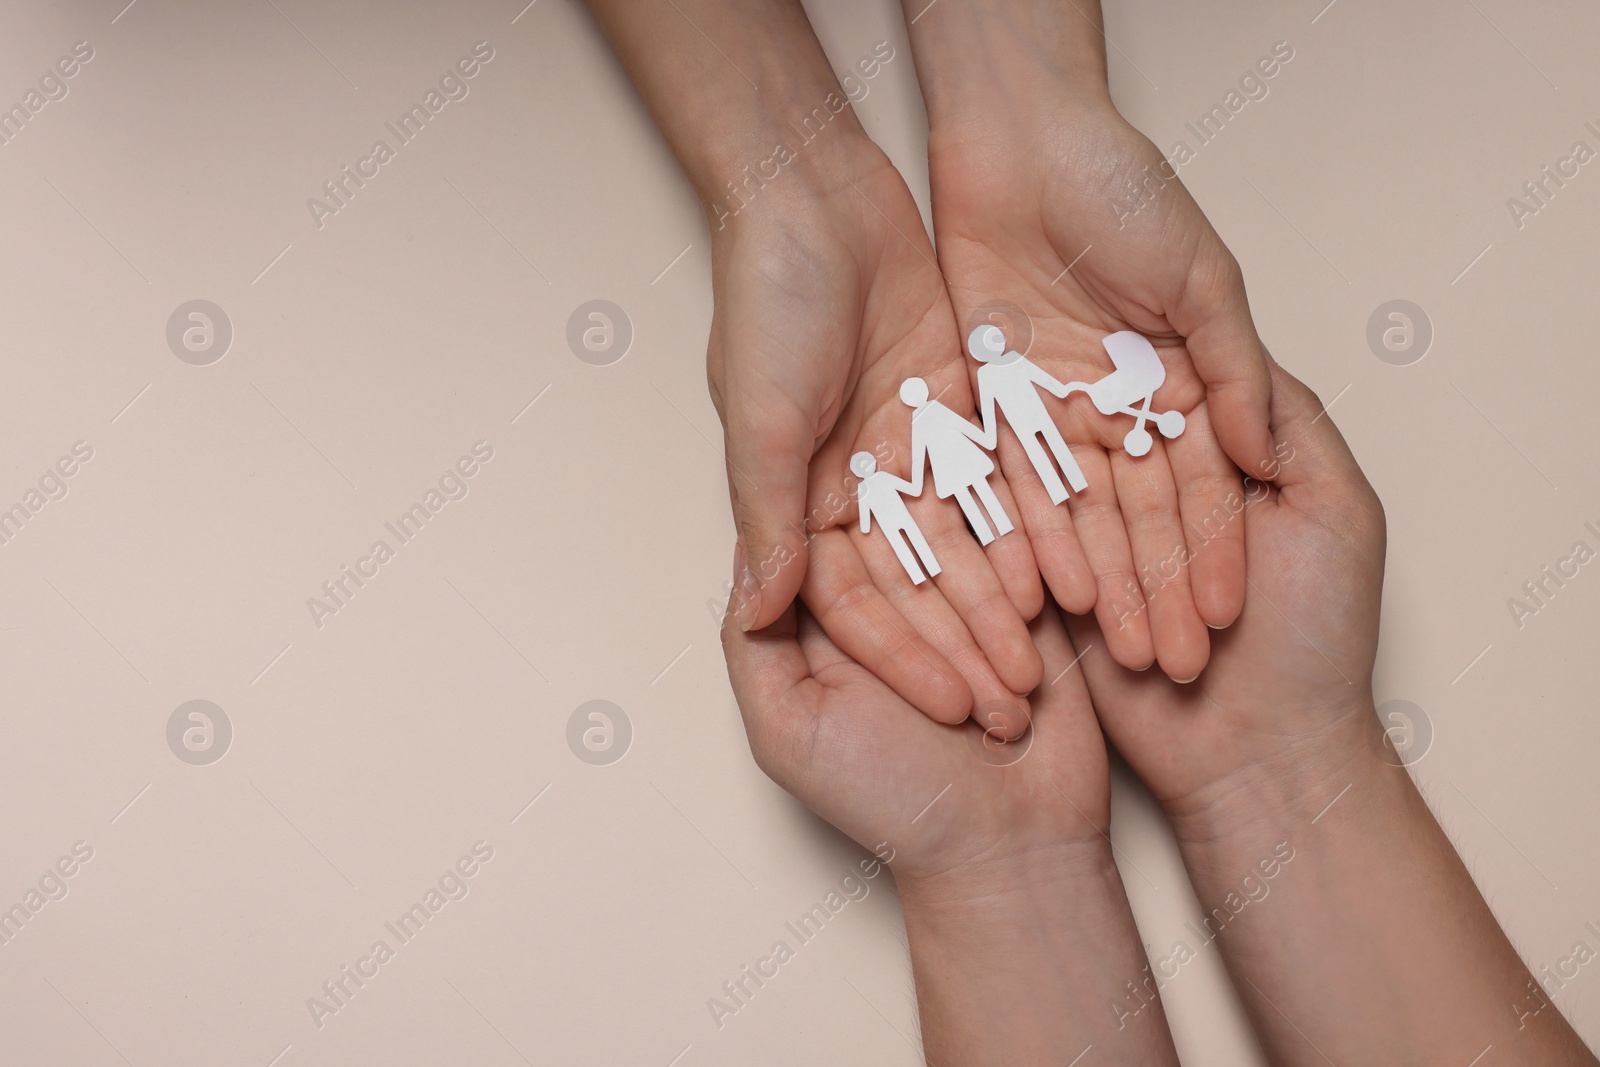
[(800, 167), (997, 884), (760, 96), (1030, 960), (989, 61), (1284, 796)]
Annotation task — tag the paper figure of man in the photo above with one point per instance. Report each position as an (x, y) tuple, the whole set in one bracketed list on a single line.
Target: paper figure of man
[(950, 444), (1010, 381), (878, 496)]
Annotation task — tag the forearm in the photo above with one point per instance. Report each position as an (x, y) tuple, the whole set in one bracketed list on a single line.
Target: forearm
[(1370, 943), (728, 82), (977, 58), (1032, 964)]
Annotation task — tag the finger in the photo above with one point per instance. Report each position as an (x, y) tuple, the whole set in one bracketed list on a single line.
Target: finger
[(1149, 501), (1063, 686), (841, 592), (1127, 703), (1119, 602), (1213, 314), (1211, 504), (967, 584), (1051, 535), (764, 668), (1311, 453), (932, 615), (769, 445), (772, 681), (1050, 638), (1013, 562)]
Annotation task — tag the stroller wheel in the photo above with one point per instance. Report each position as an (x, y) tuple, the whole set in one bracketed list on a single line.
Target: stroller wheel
[(1170, 423), (1138, 441)]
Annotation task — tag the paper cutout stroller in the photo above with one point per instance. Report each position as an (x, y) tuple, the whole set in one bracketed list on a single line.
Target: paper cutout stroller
[(1139, 373)]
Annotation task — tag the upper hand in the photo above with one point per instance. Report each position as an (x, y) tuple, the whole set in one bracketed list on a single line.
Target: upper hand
[(827, 298), (1018, 198)]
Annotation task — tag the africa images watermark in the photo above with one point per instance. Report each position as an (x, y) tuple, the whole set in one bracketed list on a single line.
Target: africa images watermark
[(52, 485), (1143, 188), (738, 991), (1539, 591), (453, 484), (1252, 889), (1556, 977), (53, 87), (1157, 576), (452, 88), (50, 886), (811, 126), (453, 885), (1539, 191)]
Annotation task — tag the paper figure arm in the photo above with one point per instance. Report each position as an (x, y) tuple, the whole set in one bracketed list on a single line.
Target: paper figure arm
[(864, 507), (984, 438), (986, 404), (901, 484), (1040, 376)]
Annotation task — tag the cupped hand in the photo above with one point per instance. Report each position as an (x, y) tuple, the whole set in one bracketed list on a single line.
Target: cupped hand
[(1059, 208), (1290, 683), (827, 298), (951, 802)]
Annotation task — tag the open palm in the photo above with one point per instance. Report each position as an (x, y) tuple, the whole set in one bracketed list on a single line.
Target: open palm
[(942, 797), (1297, 666), (1036, 235), (825, 303)]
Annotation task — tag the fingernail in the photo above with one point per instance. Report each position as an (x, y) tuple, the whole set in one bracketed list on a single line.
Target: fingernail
[(1185, 681), (746, 590), (1216, 628)]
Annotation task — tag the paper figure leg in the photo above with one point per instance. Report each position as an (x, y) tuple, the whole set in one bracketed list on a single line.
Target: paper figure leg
[(920, 543), (969, 508), (903, 552), (1047, 470), (1069, 464), (991, 503)]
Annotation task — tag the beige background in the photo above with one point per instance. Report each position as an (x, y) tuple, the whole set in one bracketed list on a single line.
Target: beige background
[(370, 753)]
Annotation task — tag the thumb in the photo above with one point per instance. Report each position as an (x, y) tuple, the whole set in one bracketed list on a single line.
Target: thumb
[(1214, 317), (1313, 465), (769, 447)]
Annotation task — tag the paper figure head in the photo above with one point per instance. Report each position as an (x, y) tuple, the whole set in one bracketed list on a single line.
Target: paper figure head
[(914, 392), (986, 343), (862, 465)]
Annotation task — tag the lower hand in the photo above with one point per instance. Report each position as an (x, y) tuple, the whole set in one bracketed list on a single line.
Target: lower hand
[(1289, 689), (1019, 930)]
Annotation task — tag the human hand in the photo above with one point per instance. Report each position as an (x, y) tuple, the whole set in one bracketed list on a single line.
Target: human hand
[(1050, 209), (1250, 762), (1030, 212), (1016, 918), (827, 299), (846, 745), (1288, 692)]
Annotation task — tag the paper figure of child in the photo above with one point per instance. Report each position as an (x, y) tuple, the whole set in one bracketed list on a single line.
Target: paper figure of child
[(949, 444), (878, 497), (1010, 381)]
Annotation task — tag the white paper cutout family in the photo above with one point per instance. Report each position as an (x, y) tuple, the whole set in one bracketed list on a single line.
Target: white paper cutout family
[(958, 451)]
